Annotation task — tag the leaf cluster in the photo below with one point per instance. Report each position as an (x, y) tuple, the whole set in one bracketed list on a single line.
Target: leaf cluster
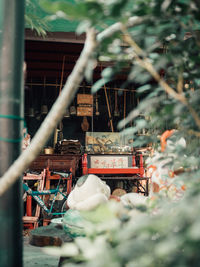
[(32, 18), (160, 56)]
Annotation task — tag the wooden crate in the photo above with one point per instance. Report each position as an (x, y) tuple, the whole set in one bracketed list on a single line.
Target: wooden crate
[(84, 99), (56, 162), (85, 111)]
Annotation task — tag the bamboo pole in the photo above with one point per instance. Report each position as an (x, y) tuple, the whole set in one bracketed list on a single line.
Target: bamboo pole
[(80, 86), (60, 89), (124, 107), (108, 106), (11, 126)]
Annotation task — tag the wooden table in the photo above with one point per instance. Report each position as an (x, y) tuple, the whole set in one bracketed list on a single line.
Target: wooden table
[(56, 162)]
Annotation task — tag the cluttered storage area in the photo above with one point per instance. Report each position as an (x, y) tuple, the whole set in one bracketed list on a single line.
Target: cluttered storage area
[(86, 142)]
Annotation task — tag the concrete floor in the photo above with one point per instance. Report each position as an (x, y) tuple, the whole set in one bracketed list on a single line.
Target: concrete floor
[(34, 256)]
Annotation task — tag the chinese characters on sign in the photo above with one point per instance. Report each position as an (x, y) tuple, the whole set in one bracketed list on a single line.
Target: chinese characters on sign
[(109, 162)]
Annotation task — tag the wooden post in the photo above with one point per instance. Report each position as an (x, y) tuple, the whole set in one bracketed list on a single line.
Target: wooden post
[(108, 106), (29, 206), (141, 165), (84, 164), (133, 161), (69, 182)]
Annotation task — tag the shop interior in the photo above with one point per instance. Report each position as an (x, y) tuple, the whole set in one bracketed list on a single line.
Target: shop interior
[(87, 140)]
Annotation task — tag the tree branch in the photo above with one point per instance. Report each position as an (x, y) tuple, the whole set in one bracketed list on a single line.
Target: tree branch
[(195, 133), (53, 118), (133, 21), (63, 101), (146, 64)]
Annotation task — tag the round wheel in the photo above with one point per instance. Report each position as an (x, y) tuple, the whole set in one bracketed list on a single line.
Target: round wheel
[(64, 207)]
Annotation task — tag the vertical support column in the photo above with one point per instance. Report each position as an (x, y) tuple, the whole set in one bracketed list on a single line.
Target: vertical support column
[(69, 182), (29, 205), (11, 125), (147, 187), (47, 197), (133, 161), (48, 177), (47, 186), (141, 166), (29, 210)]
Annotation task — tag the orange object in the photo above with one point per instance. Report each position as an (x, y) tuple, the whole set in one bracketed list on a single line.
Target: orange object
[(69, 183), (171, 174), (116, 198), (163, 138), (118, 192), (183, 187), (133, 161), (31, 220), (29, 205), (156, 187)]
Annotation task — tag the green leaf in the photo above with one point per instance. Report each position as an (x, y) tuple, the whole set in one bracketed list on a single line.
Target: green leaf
[(117, 7), (83, 26), (101, 214), (141, 123), (107, 73), (197, 82), (144, 88), (98, 85), (78, 11)]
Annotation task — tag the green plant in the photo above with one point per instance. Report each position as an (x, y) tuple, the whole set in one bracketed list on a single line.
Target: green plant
[(157, 43), (33, 19)]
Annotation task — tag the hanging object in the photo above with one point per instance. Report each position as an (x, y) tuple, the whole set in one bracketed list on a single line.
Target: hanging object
[(37, 116), (67, 113), (110, 101), (85, 105), (44, 109), (97, 106), (108, 107), (84, 99), (72, 109), (62, 74), (131, 105), (116, 111), (124, 106), (31, 112), (85, 124)]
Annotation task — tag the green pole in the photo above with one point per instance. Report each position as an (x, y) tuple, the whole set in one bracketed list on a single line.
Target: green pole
[(11, 110)]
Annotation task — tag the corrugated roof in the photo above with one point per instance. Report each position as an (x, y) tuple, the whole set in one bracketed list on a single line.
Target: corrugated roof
[(58, 25)]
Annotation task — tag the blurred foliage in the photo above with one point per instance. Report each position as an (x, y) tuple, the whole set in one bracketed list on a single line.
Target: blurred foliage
[(32, 18), (161, 58)]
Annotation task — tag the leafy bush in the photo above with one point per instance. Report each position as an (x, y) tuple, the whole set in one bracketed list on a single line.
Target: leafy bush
[(157, 42)]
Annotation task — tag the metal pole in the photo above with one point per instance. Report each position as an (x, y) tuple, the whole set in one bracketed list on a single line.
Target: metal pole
[(11, 111)]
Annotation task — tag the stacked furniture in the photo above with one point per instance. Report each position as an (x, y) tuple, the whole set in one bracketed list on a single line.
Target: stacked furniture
[(68, 147)]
